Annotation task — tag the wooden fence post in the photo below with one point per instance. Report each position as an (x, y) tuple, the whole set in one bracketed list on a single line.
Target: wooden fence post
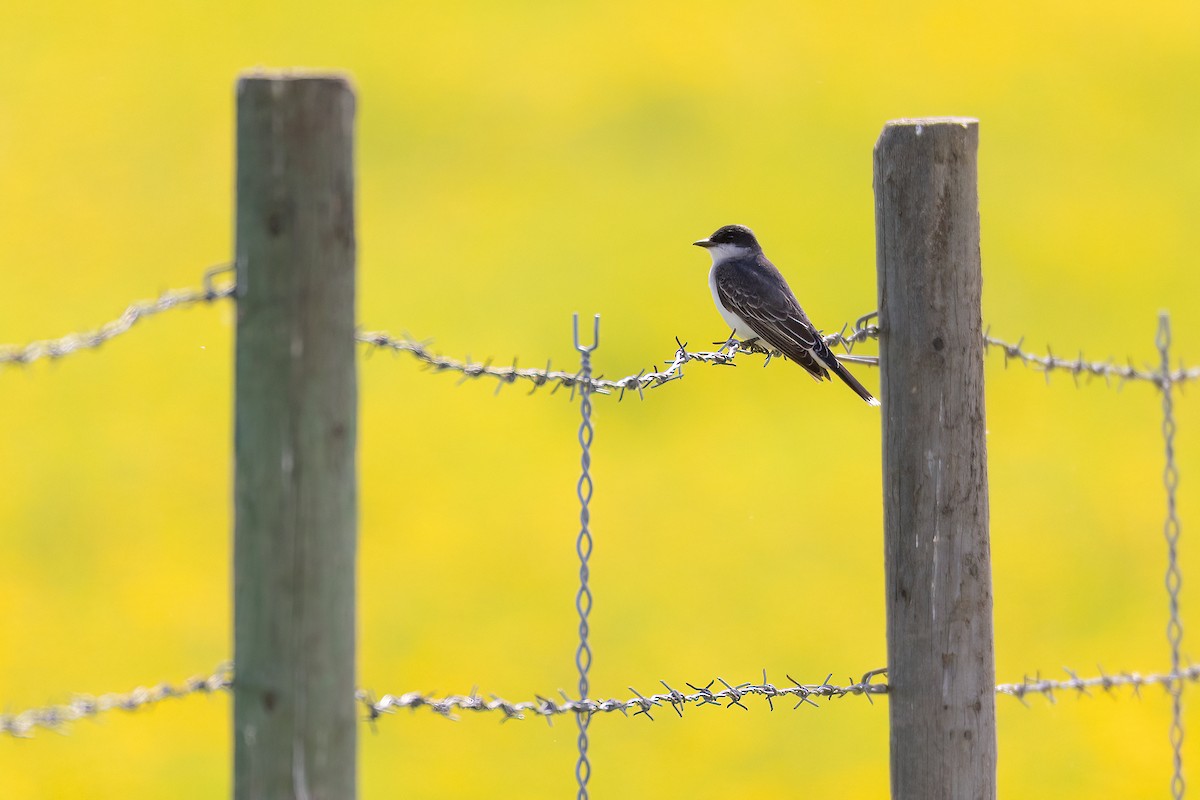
[(296, 493), (941, 664)]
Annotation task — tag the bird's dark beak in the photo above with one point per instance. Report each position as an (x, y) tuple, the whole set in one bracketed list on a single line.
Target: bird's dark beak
[(703, 243)]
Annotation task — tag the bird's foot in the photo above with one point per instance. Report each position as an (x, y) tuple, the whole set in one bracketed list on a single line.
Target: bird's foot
[(730, 345), (772, 353), (755, 345)]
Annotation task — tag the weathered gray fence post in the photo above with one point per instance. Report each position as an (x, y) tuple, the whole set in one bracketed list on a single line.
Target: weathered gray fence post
[(941, 666), (296, 494)]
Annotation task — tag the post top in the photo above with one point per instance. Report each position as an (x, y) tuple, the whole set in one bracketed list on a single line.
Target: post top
[(291, 75), (940, 129), (920, 122)]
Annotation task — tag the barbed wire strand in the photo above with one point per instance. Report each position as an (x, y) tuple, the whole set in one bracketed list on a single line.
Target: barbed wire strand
[(641, 704), (638, 382), (1171, 531), (1110, 370), (1037, 685), (846, 338), (583, 544), (57, 717), (75, 342), (83, 706), (732, 694)]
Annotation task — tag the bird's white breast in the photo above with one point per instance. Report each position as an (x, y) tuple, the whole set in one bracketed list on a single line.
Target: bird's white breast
[(740, 328)]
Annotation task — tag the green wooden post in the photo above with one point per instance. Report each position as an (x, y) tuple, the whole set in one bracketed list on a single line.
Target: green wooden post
[(937, 553), (296, 398)]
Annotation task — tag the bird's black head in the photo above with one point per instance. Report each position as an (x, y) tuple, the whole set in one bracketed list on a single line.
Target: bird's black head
[(737, 237)]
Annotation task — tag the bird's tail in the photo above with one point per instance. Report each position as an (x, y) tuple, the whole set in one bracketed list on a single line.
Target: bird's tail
[(836, 367)]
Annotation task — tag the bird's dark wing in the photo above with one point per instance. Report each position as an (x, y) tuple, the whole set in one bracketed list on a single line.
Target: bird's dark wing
[(760, 296)]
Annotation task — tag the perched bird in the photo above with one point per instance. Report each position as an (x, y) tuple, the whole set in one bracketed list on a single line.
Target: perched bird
[(758, 304)]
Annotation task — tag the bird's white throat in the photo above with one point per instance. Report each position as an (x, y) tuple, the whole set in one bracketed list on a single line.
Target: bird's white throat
[(726, 251)]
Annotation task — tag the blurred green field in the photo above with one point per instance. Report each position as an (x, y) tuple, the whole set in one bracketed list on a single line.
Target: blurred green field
[(517, 163)]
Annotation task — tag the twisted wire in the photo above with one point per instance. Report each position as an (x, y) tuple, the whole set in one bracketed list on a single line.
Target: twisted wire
[(1038, 685), (863, 328), (638, 382), (1171, 531), (74, 342), (547, 376), (640, 704), (1078, 367), (583, 545), (82, 706), (58, 717)]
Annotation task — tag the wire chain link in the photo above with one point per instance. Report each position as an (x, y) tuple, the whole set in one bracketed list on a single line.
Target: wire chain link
[(1171, 531)]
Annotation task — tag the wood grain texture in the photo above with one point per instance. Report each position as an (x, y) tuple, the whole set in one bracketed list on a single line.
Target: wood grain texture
[(938, 560), (296, 495)]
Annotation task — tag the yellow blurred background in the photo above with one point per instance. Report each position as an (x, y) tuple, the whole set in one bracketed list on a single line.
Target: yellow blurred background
[(521, 161)]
